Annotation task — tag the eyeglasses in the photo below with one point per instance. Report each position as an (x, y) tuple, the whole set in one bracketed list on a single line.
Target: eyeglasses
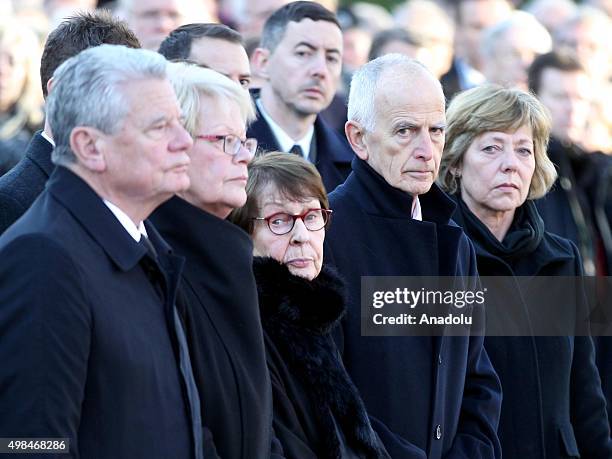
[(231, 143), (282, 223)]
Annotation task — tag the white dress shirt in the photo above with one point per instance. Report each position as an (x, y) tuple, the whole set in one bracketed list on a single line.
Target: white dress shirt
[(135, 231), (284, 140)]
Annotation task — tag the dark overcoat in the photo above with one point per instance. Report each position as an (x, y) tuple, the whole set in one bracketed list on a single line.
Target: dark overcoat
[(553, 404), (334, 154), (440, 394), (579, 208), (318, 413), (89, 350), (223, 327), (23, 183)]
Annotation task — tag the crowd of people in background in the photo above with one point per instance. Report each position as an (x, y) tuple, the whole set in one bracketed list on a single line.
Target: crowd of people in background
[(192, 190)]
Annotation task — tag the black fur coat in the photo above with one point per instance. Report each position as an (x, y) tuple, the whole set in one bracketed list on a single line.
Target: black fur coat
[(314, 397)]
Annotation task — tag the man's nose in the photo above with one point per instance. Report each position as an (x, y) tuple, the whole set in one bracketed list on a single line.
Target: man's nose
[(319, 66), (425, 147), (181, 140)]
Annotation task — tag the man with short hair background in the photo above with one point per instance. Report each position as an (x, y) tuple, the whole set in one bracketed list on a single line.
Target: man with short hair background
[(22, 185), (438, 395), (214, 46), (300, 58), (579, 206), (93, 349)]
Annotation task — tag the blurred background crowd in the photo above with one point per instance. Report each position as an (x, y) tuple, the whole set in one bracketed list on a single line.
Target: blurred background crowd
[(463, 42)]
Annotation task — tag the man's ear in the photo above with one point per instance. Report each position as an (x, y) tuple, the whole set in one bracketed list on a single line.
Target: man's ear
[(49, 86), (355, 135), (87, 144), (259, 62)]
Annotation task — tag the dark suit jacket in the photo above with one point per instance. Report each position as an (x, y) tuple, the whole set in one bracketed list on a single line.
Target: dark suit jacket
[(440, 394), (22, 184), (223, 328), (334, 154), (88, 346)]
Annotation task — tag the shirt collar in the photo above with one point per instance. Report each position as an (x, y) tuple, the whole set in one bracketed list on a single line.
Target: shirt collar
[(284, 140), (47, 137), (416, 209), (135, 231)]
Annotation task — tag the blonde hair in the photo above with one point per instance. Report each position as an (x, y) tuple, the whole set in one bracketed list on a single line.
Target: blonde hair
[(489, 108), (28, 112), (190, 81)]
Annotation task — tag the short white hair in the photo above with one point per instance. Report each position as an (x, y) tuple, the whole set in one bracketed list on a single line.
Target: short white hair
[(365, 81), (191, 81), (492, 36)]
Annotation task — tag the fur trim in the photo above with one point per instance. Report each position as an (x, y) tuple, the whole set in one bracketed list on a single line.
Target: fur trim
[(299, 316)]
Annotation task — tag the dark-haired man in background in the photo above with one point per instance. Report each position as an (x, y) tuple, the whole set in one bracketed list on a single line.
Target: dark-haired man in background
[(214, 46), (579, 206), (300, 58), (22, 185)]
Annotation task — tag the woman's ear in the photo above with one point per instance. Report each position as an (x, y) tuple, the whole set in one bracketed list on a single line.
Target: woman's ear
[(355, 136)]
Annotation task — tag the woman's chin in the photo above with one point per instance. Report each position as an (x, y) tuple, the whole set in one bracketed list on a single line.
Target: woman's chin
[(307, 272)]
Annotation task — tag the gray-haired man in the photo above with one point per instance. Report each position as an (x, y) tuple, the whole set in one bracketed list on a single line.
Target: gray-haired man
[(92, 347)]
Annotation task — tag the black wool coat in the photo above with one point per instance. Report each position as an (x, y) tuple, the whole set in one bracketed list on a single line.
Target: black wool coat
[(579, 208), (438, 395), (334, 154), (553, 404), (23, 183), (318, 412), (89, 350), (223, 328)]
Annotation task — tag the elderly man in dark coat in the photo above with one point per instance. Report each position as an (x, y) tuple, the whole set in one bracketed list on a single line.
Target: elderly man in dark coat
[(440, 394), (93, 349)]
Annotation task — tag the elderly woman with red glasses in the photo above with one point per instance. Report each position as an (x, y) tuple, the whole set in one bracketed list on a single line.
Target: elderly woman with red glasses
[(318, 412)]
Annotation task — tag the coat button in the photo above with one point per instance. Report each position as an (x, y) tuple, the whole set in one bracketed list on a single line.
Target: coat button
[(439, 359), (438, 432)]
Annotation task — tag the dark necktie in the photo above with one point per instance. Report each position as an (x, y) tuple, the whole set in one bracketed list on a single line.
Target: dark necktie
[(297, 150)]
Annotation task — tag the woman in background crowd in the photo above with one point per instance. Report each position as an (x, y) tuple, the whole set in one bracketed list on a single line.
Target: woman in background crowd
[(495, 164), (20, 95), (318, 412)]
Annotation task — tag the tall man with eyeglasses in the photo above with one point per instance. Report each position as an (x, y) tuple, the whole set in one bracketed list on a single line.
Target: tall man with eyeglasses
[(300, 58)]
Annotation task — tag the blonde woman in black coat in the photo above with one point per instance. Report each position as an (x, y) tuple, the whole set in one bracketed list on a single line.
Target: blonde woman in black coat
[(495, 164)]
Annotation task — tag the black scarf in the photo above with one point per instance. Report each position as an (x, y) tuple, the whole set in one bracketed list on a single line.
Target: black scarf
[(299, 316), (523, 237)]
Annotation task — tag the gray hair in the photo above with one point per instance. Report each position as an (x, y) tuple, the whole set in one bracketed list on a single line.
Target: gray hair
[(492, 36), (364, 84), (88, 91), (190, 81)]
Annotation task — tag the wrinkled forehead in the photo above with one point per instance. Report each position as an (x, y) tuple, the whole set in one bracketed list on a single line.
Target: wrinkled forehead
[(408, 92)]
